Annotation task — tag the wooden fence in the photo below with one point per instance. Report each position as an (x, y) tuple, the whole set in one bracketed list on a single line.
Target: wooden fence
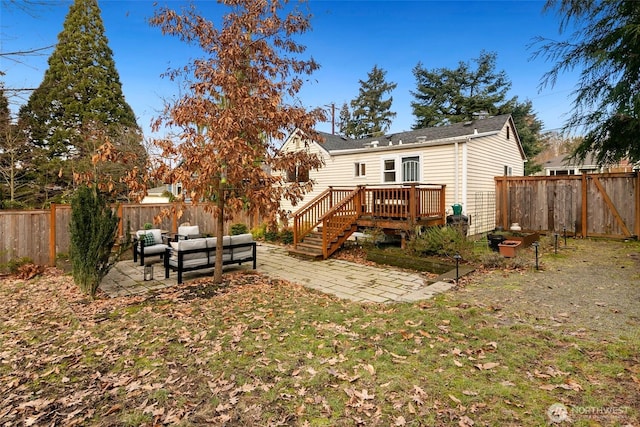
[(595, 205), (43, 234)]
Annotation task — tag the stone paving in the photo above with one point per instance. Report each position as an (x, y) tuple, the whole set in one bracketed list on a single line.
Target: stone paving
[(347, 280)]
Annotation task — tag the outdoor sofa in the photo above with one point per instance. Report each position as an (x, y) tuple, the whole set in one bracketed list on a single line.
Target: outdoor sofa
[(196, 254)]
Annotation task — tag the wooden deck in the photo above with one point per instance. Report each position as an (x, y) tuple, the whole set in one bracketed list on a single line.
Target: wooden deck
[(324, 224)]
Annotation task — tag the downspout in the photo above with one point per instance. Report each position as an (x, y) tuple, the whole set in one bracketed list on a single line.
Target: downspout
[(465, 170), (456, 169)]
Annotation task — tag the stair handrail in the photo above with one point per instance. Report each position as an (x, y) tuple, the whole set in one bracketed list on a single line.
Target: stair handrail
[(299, 229), (330, 233)]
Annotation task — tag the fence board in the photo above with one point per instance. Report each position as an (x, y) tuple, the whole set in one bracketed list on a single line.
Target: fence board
[(28, 233), (551, 204)]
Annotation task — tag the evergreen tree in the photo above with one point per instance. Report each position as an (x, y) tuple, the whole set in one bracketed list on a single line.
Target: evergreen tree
[(93, 231), (605, 47), (529, 127), (371, 114), (344, 120), (81, 89), (445, 96)]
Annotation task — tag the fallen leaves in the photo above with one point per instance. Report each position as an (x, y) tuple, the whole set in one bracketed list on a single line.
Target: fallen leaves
[(203, 355)]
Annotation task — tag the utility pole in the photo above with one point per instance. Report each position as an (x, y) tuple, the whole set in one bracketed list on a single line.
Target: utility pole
[(333, 117)]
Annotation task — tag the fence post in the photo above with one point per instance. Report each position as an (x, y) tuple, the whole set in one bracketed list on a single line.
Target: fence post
[(443, 201), (637, 218), (506, 207), (174, 219), (120, 223), (52, 235), (583, 214)]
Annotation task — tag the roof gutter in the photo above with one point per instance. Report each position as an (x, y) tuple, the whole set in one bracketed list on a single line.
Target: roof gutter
[(412, 145)]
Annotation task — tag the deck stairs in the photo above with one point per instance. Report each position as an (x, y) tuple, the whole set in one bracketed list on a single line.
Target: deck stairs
[(323, 225)]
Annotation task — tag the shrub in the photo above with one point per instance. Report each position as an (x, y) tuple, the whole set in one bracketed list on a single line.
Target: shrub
[(239, 228), (12, 204), (259, 231), (286, 236), (147, 226), (93, 230), (169, 195), (271, 235), (13, 265), (491, 260), (444, 241)]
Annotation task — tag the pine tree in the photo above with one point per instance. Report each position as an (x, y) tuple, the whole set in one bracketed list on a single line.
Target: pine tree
[(81, 89), (528, 126), (344, 120), (445, 95), (604, 49), (371, 114)]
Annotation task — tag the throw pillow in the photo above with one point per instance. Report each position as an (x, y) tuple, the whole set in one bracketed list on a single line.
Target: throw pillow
[(148, 239)]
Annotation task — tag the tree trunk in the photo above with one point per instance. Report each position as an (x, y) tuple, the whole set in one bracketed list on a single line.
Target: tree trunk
[(217, 272)]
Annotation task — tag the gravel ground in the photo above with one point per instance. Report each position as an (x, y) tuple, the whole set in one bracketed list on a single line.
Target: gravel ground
[(588, 287)]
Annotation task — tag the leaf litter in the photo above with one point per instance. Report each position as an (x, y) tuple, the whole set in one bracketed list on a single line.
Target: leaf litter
[(257, 351)]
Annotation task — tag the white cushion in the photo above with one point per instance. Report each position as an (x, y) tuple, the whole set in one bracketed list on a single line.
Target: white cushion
[(212, 241), (189, 263), (155, 249), (241, 238), (183, 245), (242, 253), (189, 230), (157, 234)]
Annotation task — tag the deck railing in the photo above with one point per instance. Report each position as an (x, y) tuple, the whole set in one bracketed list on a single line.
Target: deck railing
[(411, 202), (338, 209), (309, 216)]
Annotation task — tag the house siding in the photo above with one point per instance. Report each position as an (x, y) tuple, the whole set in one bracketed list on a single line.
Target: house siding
[(294, 143), (466, 165), (487, 158)]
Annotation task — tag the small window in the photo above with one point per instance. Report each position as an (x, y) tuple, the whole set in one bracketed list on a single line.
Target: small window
[(360, 169), (508, 171), (390, 170), (298, 174), (508, 132)]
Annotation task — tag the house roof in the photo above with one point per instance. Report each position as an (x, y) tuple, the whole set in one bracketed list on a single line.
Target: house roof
[(457, 130), (564, 161)]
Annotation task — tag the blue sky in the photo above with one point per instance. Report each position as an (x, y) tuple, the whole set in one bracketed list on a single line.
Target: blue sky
[(347, 39)]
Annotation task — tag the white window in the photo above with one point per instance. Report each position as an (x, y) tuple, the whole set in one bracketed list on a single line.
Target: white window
[(411, 169), (360, 169), (401, 169), (389, 170)]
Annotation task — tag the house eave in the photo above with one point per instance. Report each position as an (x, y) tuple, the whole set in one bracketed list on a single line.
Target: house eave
[(412, 145)]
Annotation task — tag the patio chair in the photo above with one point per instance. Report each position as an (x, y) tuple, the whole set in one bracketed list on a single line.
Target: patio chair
[(148, 243)]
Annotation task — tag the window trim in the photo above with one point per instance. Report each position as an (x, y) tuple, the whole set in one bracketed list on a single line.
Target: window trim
[(398, 167), (360, 170)]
